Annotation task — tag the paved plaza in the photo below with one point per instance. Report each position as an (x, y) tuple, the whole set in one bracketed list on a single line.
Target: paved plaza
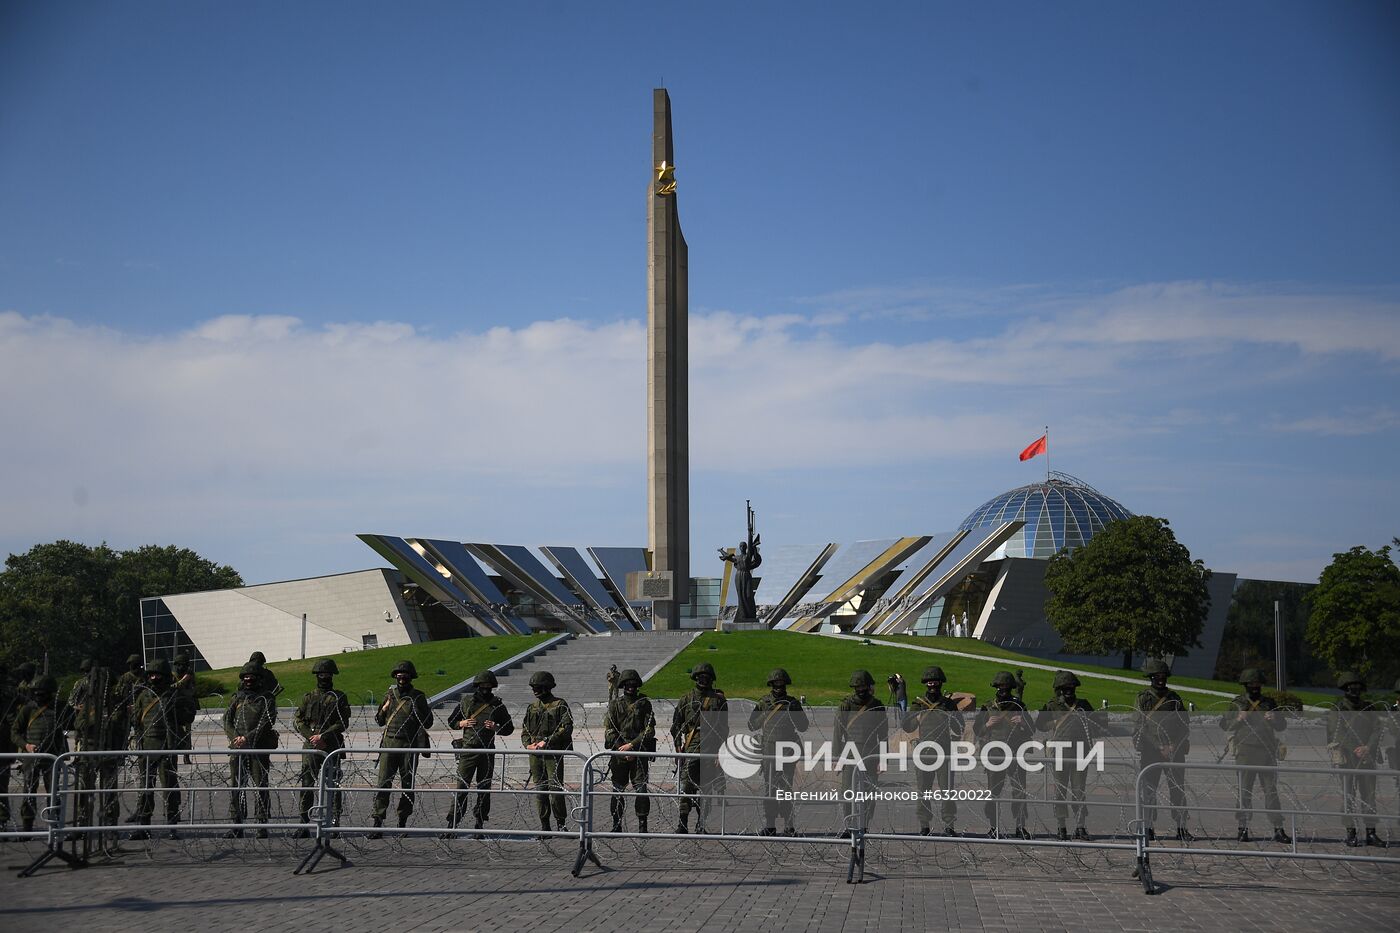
[(424, 884)]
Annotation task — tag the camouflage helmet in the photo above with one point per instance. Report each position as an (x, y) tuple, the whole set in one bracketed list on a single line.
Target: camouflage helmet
[(405, 667), (704, 667), (1251, 675), (542, 679), (1155, 666), (934, 672), (862, 679), (181, 658), (1004, 680), (133, 660), (45, 684), (26, 670), (257, 657), (629, 676), (160, 668), (250, 670), (1349, 677), (486, 678), (1065, 679), (325, 666), (85, 665), (778, 676)]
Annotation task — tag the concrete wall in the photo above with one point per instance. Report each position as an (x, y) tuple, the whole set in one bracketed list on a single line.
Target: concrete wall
[(228, 625)]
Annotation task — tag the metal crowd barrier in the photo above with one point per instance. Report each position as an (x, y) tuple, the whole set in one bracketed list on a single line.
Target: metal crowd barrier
[(595, 773), (327, 828), (331, 789), (1145, 849), (46, 806)]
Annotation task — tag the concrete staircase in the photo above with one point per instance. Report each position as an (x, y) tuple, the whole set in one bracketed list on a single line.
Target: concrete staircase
[(580, 665)]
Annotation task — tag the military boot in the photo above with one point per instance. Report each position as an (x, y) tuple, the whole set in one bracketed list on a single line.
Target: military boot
[(1351, 840), (28, 825), (1184, 835), (1023, 833), (403, 820), (1242, 835), (142, 834), (925, 831), (682, 826), (232, 834), (544, 827), (378, 822), (1062, 834), (641, 824), (1373, 840), (1281, 836), (1081, 833), (768, 831)]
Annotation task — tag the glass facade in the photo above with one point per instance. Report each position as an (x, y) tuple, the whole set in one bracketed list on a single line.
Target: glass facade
[(1059, 513), (162, 636)]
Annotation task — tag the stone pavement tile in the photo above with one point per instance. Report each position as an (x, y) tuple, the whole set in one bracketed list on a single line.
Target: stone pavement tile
[(422, 886)]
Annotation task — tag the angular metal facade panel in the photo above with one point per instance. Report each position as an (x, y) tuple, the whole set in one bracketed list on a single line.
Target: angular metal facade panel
[(571, 564)]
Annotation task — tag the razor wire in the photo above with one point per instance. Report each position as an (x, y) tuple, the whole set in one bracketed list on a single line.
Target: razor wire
[(1313, 800)]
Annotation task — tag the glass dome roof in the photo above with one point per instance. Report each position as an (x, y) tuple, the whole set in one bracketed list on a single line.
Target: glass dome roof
[(1060, 512)]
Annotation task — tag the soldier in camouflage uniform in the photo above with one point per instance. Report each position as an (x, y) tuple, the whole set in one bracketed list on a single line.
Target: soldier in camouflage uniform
[(482, 717), (548, 725), (321, 720), (159, 715), (936, 720), (630, 726), (267, 682), (99, 725), (697, 727), (776, 718), (1354, 731), (38, 728), (1253, 722), (1162, 733), (9, 705), (248, 723), (131, 680), (861, 721), (1005, 719), (406, 719), (1070, 719), (183, 669)]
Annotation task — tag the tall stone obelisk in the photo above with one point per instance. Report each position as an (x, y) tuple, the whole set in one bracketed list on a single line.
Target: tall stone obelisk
[(668, 399)]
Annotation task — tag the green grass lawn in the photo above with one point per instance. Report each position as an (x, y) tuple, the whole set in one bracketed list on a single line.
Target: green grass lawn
[(821, 669), (975, 646), (440, 665)]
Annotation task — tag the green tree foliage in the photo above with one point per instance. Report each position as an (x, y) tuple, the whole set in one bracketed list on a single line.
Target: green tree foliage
[(1355, 623), (1132, 589), (71, 601)]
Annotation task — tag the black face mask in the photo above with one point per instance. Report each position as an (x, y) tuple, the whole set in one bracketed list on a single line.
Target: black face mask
[(632, 690), (483, 690), (324, 681)]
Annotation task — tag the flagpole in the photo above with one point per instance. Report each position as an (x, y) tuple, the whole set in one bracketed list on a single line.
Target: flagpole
[(1047, 455)]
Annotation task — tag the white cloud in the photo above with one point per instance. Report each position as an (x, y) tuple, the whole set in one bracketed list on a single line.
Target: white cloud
[(245, 421)]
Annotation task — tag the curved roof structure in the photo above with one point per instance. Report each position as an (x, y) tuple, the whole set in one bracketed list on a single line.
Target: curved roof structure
[(1060, 512)]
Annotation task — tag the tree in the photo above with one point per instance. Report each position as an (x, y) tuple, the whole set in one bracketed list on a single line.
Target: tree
[(70, 601), (1133, 588), (1355, 623), (1248, 639)]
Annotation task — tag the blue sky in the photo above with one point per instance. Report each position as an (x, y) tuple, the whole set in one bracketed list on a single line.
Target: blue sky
[(273, 274)]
